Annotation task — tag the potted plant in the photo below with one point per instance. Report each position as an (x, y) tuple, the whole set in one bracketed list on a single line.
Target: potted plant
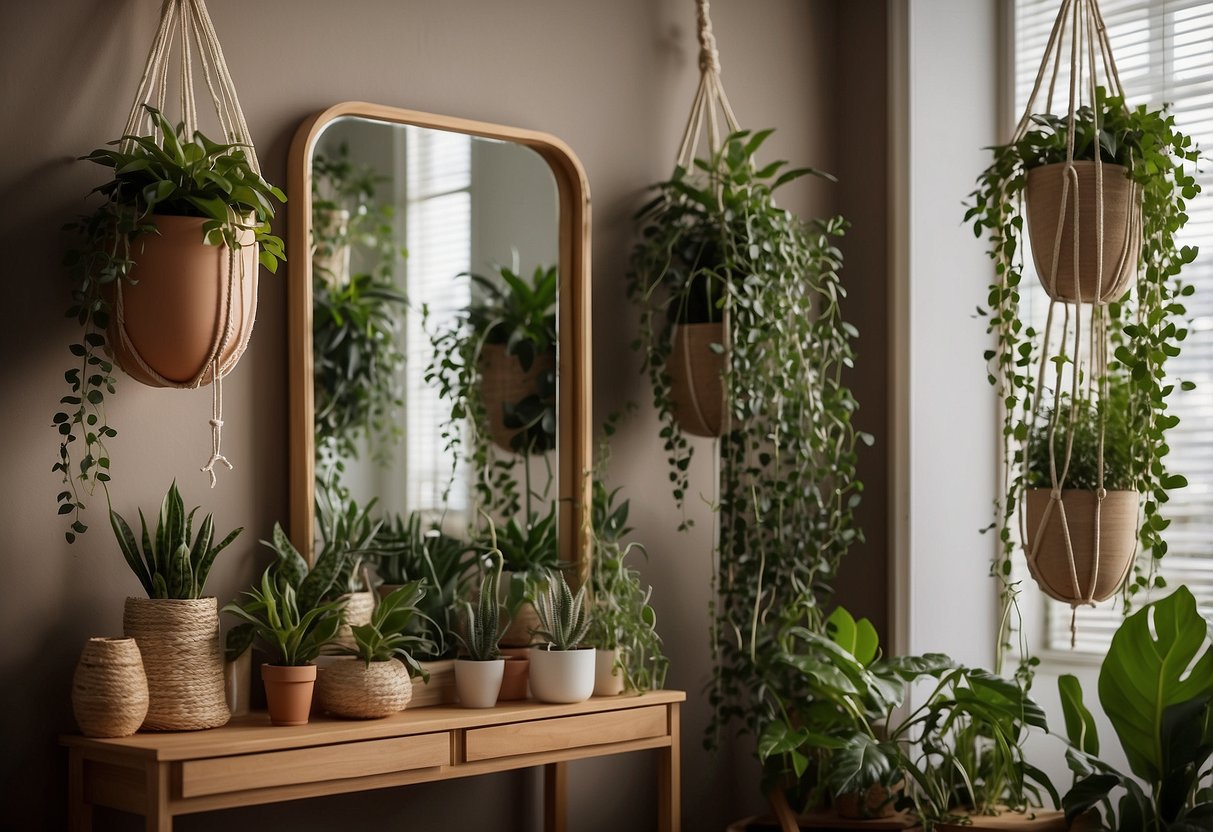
[(375, 682), (624, 625), (1156, 688), (346, 537), (294, 634), (562, 669), (1145, 178), (164, 282), (479, 671), (529, 554), (176, 627)]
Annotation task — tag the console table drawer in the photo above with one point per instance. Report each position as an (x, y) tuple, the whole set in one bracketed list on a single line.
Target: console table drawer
[(219, 775), (560, 733)]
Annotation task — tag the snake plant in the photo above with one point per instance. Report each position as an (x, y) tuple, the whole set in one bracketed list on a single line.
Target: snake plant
[(564, 618)]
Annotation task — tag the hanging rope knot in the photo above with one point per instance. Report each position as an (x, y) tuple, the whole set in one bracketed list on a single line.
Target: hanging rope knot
[(1101, 493), (216, 423), (1055, 495), (709, 56), (209, 468)]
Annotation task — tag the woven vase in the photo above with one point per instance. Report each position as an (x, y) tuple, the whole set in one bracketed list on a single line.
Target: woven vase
[(357, 611), (1121, 231), (352, 688), (504, 383), (1049, 561), (183, 659), (696, 378), (109, 688)]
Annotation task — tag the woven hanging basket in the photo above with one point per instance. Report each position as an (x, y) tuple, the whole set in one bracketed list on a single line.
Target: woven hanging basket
[(354, 689), (109, 688), (503, 383), (174, 310), (696, 373), (1048, 555), (183, 660), (1045, 194)]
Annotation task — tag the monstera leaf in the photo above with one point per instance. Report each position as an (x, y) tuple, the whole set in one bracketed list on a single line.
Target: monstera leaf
[(1157, 660)]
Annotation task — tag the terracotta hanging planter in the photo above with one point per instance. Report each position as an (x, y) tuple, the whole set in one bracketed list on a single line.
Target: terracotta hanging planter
[(174, 308), (1121, 231), (288, 692), (1048, 558), (503, 383), (352, 688), (109, 688), (696, 378)]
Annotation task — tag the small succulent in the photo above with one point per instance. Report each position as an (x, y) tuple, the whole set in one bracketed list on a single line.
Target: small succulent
[(173, 563), (564, 618), (484, 621), (274, 615), (388, 636)]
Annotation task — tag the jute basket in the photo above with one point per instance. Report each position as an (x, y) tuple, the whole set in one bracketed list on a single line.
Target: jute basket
[(351, 688), (1049, 560), (359, 606), (109, 688), (183, 659), (504, 383), (696, 378), (1121, 231)]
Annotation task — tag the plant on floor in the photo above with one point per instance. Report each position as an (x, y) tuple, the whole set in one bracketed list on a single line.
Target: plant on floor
[(484, 622), (1156, 688), (293, 631), (174, 562), (390, 633), (564, 617), (165, 173)]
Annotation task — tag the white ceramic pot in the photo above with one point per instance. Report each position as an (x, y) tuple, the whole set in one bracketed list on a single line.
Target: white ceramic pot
[(608, 679), (562, 676), (478, 683)]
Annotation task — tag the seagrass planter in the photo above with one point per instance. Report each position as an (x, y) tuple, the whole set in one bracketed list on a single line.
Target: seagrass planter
[(503, 384), (183, 660), (352, 688), (174, 308), (696, 372), (359, 606), (1084, 282), (109, 688), (1048, 556)]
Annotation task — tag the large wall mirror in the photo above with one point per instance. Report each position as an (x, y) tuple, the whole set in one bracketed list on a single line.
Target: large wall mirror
[(439, 329)]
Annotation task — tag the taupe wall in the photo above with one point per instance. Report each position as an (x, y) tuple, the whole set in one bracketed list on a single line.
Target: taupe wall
[(615, 80)]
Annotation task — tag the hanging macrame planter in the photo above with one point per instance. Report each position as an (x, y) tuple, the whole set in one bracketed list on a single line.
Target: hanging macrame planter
[(1084, 221), (184, 317)]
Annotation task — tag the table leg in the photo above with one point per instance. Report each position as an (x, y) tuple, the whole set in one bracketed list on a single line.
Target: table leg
[(79, 813), (158, 817), (554, 775), (669, 778)]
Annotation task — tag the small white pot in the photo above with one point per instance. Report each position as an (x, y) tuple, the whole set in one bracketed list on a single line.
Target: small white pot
[(562, 676), (608, 679), (478, 683)]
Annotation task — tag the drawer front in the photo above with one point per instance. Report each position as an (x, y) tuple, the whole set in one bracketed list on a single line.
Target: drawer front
[(566, 732), (221, 775)]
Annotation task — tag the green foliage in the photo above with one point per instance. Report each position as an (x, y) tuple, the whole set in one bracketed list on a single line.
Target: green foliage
[(273, 614), (347, 535), (174, 563), (165, 173), (356, 318), (391, 632), (484, 624), (1156, 687), (1146, 327), (530, 552), (564, 618), (1084, 425)]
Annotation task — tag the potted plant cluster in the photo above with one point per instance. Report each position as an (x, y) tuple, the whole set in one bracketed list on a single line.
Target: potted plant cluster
[(479, 671), (562, 668), (176, 627), (375, 682), (153, 271)]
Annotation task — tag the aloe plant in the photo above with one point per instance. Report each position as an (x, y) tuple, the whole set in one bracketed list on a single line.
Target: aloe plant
[(484, 621), (174, 563), (564, 618), (295, 635)]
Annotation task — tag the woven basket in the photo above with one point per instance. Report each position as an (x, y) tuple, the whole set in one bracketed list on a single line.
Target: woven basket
[(351, 688), (1049, 562), (359, 606), (503, 382), (183, 659), (109, 688), (1121, 231), (696, 378)]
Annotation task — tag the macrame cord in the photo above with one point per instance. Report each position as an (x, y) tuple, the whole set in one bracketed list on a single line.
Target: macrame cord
[(190, 24), (1083, 24)]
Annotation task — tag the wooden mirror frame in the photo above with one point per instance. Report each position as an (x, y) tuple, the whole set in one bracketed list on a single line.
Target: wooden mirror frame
[(573, 323)]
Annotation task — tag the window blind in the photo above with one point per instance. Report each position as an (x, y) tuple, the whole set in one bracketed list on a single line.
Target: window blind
[(1164, 54)]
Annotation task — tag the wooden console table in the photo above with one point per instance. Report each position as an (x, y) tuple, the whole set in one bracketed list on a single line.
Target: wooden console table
[(249, 762)]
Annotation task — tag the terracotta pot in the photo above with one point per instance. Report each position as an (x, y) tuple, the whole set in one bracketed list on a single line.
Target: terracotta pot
[(1121, 231), (1048, 556), (183, 660), (173, 307), (874, 802), (288, 692), (608, 679), (514, 679), (478, 683), (562, 676), (109, 688), (350, 687), (1037, 820), (696, 378), (503, 382)]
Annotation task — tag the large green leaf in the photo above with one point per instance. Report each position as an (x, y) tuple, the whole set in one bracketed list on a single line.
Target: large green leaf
[(1158, 658), (861, 763), (1080, 724)]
